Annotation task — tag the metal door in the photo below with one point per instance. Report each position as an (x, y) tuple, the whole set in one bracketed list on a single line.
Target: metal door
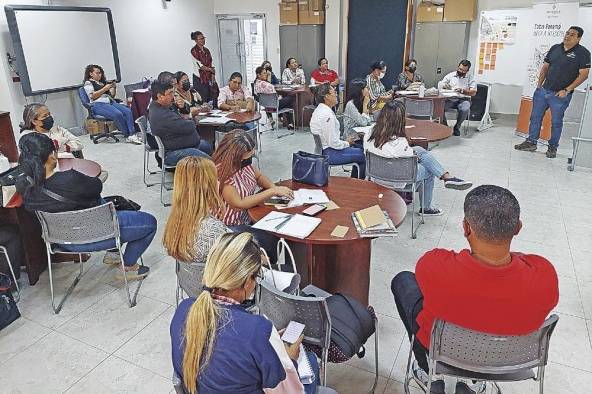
[(231, 48), (426, 51), (452, 47), (288, 47), (242, 41), (311, 47)]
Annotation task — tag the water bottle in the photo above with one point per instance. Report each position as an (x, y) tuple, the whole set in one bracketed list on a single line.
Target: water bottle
[(422, 90)]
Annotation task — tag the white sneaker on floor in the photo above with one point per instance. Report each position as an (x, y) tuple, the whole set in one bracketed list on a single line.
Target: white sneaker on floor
[(463, 387), (135, 139)]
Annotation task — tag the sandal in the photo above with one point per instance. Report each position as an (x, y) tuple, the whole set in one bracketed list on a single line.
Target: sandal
[(134, 272)]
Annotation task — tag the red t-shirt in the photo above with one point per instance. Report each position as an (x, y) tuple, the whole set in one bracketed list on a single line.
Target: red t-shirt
[(510, 300), (324, 76)]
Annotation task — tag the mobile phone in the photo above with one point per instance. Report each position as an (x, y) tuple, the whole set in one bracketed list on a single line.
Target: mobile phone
[(277, 200), (314, 210), (293, 332)]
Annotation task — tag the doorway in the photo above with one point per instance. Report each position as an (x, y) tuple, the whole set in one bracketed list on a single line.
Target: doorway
[(243, 45)]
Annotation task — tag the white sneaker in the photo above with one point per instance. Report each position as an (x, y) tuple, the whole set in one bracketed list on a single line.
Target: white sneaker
[(463, 387), (135, 139)]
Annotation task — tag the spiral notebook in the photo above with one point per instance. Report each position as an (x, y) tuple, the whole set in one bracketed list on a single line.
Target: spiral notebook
[(305, 371)]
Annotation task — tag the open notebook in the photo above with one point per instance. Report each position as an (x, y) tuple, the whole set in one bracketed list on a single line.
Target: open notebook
[(304, 368), (293, 225)]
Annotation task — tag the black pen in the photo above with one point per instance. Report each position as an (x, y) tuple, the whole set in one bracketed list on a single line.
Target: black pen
[(279, 226)]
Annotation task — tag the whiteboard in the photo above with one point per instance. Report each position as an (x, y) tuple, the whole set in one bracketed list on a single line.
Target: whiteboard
[(512, 60), (53, 45)]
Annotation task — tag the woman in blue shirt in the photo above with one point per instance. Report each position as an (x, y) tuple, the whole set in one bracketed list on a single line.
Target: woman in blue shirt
[(219, 347)]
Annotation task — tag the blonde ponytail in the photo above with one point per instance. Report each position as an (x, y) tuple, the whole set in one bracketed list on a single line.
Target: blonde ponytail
[(233, 259)]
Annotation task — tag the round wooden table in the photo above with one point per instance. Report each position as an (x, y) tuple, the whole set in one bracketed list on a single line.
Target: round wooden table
[(207, 130), (424, 132), (302, 97), (87, 167), (339, 265)]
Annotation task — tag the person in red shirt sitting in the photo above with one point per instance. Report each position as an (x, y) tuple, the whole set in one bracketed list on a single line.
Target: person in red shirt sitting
[(323, 74), (487, 288)]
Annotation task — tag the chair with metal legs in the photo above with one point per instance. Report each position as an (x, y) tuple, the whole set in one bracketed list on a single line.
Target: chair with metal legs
[(163, 170), (79, 228), (142, 123), (18, 291), (271, 103)]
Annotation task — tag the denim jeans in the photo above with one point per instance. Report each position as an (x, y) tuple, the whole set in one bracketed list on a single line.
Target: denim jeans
[(312, 387), (173, 157), (347, 156), (266, 240), (462, 108), (541, 100), (119, 113), (136, 228), (409, 301), (428, 168)]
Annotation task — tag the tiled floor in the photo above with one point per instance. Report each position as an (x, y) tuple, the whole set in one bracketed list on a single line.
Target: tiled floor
[(98, 345)]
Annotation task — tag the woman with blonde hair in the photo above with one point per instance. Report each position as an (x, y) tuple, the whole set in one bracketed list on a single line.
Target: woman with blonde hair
[(219, 347), (192, 227)]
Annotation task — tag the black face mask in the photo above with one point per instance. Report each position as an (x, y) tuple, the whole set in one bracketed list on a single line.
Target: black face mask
[(247, 162), (412, 69), (186, 85), (47, 123), (268, 68)]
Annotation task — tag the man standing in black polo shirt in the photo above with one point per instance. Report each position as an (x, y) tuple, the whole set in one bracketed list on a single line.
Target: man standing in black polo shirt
[(565, 67)]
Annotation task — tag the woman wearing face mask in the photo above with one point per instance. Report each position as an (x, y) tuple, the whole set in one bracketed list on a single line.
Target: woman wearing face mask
[(271, 78), (38, 161), (410, 75), (378, 93), (219, 347), (293, 75), (37, 118), (242, 186), (187, 99)]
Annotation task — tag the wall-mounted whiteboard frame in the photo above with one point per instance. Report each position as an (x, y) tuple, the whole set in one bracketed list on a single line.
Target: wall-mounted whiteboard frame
[(21, 60)]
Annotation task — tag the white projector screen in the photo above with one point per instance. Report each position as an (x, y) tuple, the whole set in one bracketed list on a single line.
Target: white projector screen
[(53, 45)]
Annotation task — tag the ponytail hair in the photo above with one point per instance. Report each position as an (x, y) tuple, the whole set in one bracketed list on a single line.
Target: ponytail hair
[(35, 150), (233, 259), (30, 113)]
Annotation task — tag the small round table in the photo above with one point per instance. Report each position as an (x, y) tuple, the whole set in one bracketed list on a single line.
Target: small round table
[(85, 166), (302, 97), (424, 132), (207, 130), (339, 265)]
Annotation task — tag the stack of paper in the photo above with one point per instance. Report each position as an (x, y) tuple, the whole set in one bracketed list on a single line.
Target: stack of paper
[(305, 371), (293, 225), (215, 120), (407, 92), (363, 129), (308, 196)]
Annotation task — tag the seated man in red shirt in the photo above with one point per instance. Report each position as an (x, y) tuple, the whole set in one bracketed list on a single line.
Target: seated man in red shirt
[(487, 288)]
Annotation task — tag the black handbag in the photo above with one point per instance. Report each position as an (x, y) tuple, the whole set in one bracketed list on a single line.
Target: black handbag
[(123, 204), (310, 168), (8, 310)]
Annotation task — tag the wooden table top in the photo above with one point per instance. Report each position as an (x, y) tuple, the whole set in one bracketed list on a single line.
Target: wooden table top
[(350, 195), (238, 117), (87, 167), (427, 129), (285, 89)]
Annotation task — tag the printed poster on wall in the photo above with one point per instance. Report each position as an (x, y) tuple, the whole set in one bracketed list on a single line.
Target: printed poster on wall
[(551, 21)]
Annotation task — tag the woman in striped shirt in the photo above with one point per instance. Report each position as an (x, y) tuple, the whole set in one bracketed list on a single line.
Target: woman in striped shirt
[(378, 93), (243, 187)]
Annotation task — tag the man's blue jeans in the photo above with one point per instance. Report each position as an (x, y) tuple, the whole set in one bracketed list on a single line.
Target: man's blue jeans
[(136, 228), (173, 157), (118, 113), (347, 156), (541, 100)]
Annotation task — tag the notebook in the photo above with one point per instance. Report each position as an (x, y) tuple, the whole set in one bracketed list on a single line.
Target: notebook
[(304, 368), (293, 225), (370, 217)]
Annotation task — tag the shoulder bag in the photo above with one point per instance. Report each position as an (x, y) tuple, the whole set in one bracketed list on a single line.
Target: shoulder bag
[(310, 168)]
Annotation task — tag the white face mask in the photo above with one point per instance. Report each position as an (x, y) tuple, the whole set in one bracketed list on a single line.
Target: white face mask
[(381, 75)]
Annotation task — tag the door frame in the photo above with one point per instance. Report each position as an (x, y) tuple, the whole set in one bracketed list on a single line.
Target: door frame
[(241, 17)]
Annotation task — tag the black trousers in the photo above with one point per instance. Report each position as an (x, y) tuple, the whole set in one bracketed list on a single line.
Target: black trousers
[(204, 91), (409, 301)]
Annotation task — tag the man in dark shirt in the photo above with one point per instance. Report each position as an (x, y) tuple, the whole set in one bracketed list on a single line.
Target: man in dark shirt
[(565, 67), (179, 135)]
